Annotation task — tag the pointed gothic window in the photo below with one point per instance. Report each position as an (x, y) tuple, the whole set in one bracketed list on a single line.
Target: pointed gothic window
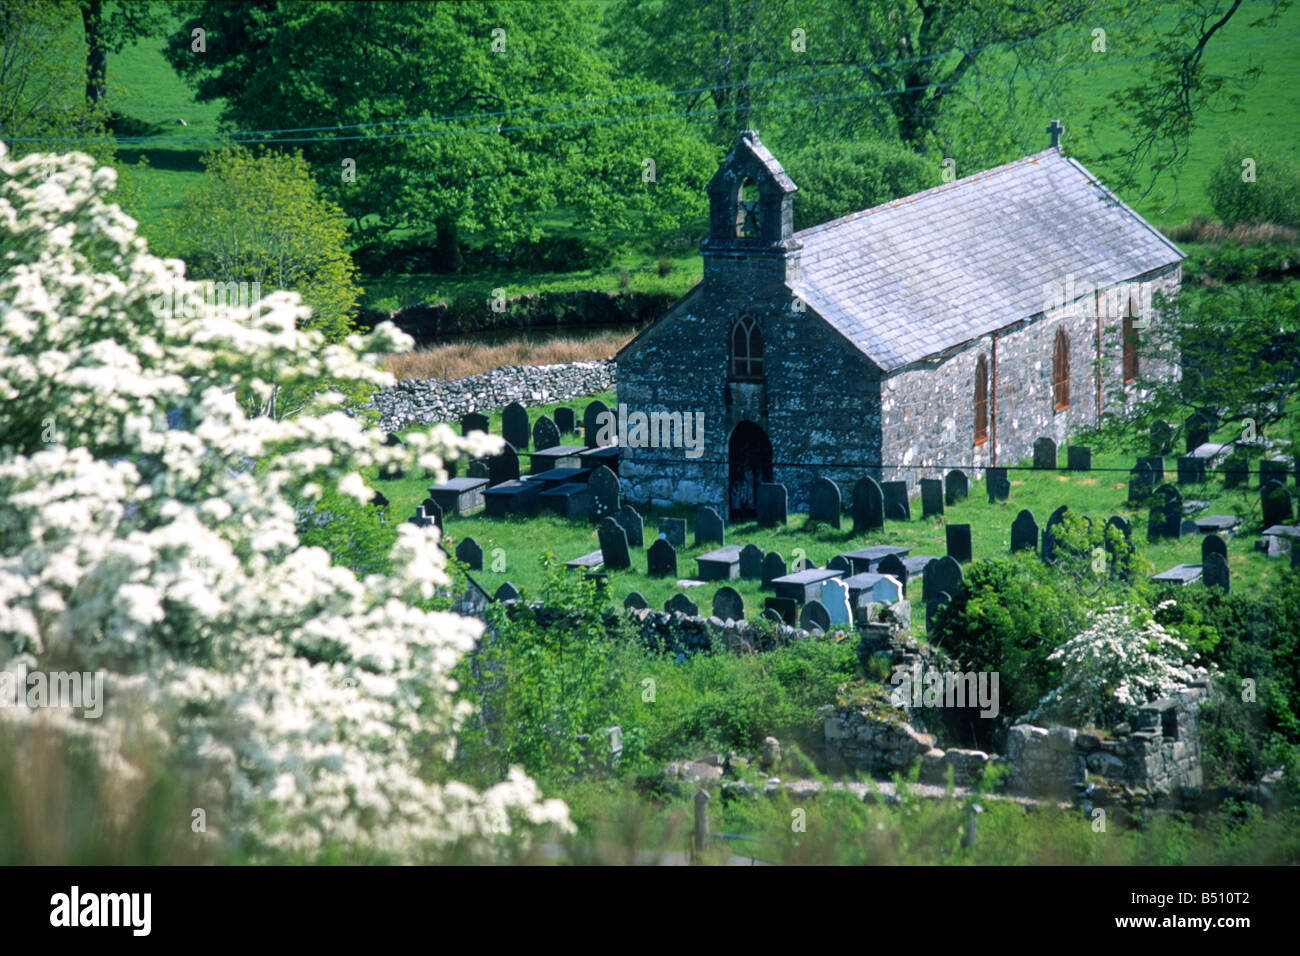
[(1061, 372), (746, 350), (981, 400)]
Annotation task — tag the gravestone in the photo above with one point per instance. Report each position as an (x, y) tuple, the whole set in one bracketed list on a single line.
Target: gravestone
[(932, 608), (469, 552), (635, 600), (632, 524), (1187, 527), (473, 422), (1272, 469), (379, 500), (868, 505), (507, 592), (1196, 431), (674, 529), (478, 468), (613, 545), (959, 544), (999, 485), (503, 467), (814, 616), (546, 434), (803, 564), (1141, 481), (1049, 533), (1122, 564), (834, 597), (897, 507), (1045, 454), (751, 563), (1168, 507), (940, 575), (606, 492), (428, 513), (1024, 532), (1213, 544), (1079, 458), (709, 527), (824, 502), (514, 425), (1191, 470), (593, 416), (728, 604), (1157, 465), (892, 565), (840, 563), (956, 487), (680, 604), (1236, 471), (1295, 559), (1161, 438), (931, 497), (567, 423), (1275, 502), (661, 559), (786, 611), (773, 503), (773, 568), (1214, 572)]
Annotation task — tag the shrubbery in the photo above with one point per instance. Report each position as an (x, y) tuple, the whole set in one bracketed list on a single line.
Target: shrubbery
[(1272, 196), (836, 179)]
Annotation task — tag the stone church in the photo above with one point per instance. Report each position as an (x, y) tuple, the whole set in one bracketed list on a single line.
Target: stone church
[(948, 329)]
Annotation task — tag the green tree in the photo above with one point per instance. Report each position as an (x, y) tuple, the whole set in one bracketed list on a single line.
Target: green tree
[(836, 179), (1255, 185), (111, 30)]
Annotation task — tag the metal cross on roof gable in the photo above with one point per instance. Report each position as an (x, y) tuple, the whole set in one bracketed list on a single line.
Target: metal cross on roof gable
[(1056, 129)]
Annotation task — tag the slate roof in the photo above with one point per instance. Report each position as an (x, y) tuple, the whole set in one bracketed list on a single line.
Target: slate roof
[(912, 278)]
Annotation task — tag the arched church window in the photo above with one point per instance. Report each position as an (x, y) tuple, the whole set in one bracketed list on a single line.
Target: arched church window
[(1061, 372), (746, 349), (981, 400)]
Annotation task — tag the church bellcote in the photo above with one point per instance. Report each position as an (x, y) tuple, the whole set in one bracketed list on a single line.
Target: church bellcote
[(751, 233)]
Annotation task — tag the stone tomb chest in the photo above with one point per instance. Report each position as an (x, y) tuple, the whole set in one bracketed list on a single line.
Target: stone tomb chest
[(803, 586), (459, 496)]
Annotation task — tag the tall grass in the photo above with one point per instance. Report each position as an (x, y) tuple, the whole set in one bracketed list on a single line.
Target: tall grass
[(1206, 230), (460, 359)]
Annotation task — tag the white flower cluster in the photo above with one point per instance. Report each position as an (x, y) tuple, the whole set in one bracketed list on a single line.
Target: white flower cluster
[(167, 559), (1116, 664)]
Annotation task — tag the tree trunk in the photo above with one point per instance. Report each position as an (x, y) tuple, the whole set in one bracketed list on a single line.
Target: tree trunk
[(448, 249), (92, 19)]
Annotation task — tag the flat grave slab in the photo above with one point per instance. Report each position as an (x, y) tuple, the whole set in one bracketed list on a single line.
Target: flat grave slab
[(1288, 530), (570, 500), (607, 456), (1181, 574), (721, 564), (554, 477), (459, 496), (512, 497), (916, 565), (803, 586), (866, 559), (1210, 451), (589, 562), (1217, 523), (557, 456)]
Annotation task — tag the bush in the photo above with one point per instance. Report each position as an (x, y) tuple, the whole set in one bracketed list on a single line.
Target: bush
[(836, 179), (1273, 196)]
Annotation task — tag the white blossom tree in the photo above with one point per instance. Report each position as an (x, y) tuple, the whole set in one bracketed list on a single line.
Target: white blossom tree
[(166, 558)]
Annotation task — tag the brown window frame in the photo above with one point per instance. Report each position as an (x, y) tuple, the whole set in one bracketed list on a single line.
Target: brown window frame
[(746, 365), (981, 400), (1061, 371), (1131, 364)]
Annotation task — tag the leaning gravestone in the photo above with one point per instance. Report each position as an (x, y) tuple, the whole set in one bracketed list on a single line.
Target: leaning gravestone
[(824, 503), (1049, 533), (1275, 502), (786, 610), (1045, 454), (709, 527), (614, 553), (514, 425), (634, 600), (751, 563), (1024, 532), (680, 604), (1141, 480), (941, 575), (632, 524), (507, 592), (868, 505), (773, 568), (546, 434), (604, 493), (728, 604), (814, 616), (593, 417), (956, 486), (469, 552), (567, 423), (958, 539), (773, 503), (661, 559), (1214, 572), (897, 506), (674, 529), (1236, 471), (931, 497), (1079, 458), (1213, 544), (892, 564), (999, 486), (504, 466), (473, 422)]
